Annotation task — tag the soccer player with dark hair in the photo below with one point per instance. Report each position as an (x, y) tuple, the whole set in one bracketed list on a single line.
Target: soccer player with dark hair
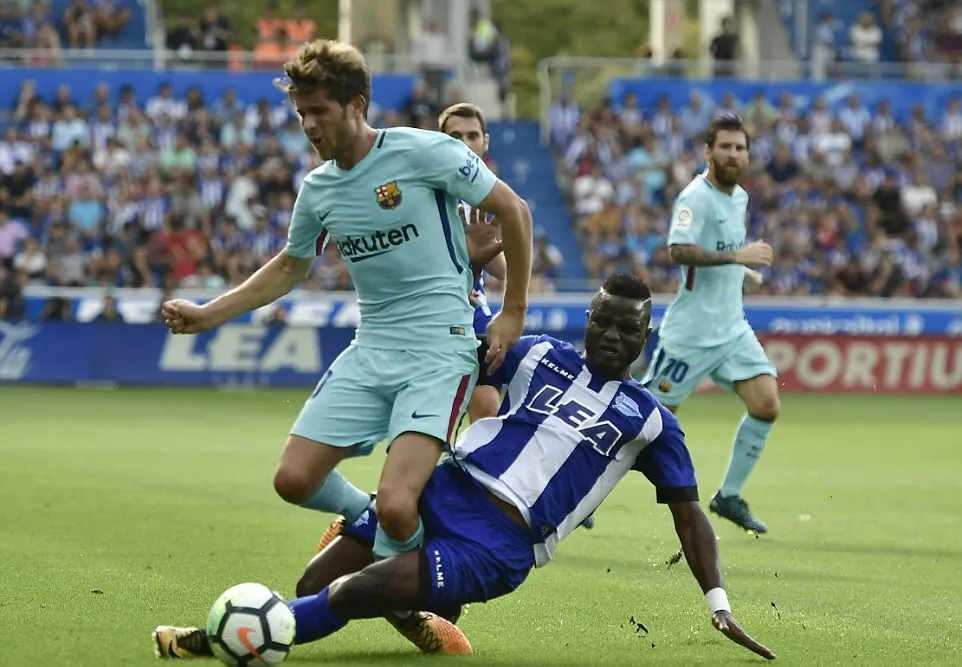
[(704, 331), (572, 426)]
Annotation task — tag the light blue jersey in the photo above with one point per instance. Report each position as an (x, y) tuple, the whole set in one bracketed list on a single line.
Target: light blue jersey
[(395, 221), (708, 310)]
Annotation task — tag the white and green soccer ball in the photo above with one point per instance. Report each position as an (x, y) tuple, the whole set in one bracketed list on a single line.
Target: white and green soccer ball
[(250, 625)]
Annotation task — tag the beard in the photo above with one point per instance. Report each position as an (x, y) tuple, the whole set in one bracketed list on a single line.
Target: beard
[(726, 174)]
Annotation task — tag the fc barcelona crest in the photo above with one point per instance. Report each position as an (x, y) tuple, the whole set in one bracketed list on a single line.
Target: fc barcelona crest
[(388, 195), (664, 386)]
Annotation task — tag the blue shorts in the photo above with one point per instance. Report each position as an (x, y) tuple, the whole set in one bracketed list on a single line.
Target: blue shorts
[(368, 395), (474, 552), (676, 370)]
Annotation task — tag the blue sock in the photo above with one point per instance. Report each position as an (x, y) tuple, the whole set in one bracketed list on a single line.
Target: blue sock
[(339, 496), (314, 618), (749, 442), (385, 547)]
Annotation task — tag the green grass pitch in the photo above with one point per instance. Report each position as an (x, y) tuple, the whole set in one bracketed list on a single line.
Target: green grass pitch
[(122, 510)]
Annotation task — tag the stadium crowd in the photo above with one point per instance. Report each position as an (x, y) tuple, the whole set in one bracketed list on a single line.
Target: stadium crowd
[(855, 202), (163, 192)]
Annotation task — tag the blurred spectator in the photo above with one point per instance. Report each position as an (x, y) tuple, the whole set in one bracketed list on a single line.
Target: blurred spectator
[(824, 51), (724, 49), (854, 202), (184, 39), (482, 39), (57, 309), (11, 27), (109, 314), (81, 22), (12, 305), (865, 38), (215, 30)]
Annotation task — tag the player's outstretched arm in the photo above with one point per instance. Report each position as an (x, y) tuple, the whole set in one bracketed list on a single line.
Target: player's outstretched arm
[(700, 545), (272, 281)]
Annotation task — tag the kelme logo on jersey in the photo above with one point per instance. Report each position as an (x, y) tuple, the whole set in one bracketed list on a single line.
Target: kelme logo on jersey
[(721, 246), (359, 248), (388, 195)]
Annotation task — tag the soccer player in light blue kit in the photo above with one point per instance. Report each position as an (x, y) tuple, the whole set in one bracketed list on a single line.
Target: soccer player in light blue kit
[(570, 429), (704, 331), (388, 200)]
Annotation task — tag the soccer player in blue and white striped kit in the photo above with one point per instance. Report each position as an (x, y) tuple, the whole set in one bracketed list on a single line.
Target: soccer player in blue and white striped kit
[(570, 428)]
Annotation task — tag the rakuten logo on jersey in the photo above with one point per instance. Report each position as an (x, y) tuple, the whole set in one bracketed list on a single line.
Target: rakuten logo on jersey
[(241, 348), (721, 246), (359, 248), (862, 364)]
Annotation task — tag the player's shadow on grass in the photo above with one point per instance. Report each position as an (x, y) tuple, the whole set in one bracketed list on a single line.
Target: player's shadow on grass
[(406, 657)]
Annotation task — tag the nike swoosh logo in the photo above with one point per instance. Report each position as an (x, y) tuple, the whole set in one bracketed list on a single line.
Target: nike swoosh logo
[(415, 415), (242, 634), (322, 218)]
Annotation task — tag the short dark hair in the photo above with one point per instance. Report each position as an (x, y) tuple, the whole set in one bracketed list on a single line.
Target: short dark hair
[(728, 123), (627, 286), (462, 110)]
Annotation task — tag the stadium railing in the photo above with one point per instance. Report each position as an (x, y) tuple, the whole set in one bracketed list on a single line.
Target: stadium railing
[(162, 59), (587, 80), (817, 344)]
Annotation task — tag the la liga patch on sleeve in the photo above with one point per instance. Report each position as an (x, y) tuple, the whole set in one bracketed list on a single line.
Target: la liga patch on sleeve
[(683, 218)]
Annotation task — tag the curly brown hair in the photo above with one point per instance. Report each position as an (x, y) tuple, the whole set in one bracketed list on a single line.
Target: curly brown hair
[(336, 68)]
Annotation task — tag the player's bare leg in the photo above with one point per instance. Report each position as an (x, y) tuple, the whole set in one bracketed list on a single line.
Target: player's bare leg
[(375, 591), (345, 555), (305, 476), (760, 395), (485, 402), (410, 462)]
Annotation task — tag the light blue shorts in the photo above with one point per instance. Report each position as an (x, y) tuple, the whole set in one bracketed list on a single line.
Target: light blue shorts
[(368, 395), (675, 371)]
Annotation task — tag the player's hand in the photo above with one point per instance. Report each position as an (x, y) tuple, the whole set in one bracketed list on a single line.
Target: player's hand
[(483, 239), (503, 332), (476, 218), (184, 317), (725, 623), (475, 298), (756, 253)]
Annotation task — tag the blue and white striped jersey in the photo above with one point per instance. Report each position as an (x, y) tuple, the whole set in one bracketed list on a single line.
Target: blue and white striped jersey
[(564, 438)]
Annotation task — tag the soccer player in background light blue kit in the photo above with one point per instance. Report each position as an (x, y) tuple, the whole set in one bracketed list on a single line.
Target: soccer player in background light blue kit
[(704, 331), (388, 199)]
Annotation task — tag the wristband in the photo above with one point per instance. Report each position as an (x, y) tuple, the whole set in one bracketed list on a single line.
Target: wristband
[(717, 600)]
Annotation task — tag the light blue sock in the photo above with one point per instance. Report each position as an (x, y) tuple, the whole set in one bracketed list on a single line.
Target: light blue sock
[(385, 547), (339, 496), (749, 442)]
